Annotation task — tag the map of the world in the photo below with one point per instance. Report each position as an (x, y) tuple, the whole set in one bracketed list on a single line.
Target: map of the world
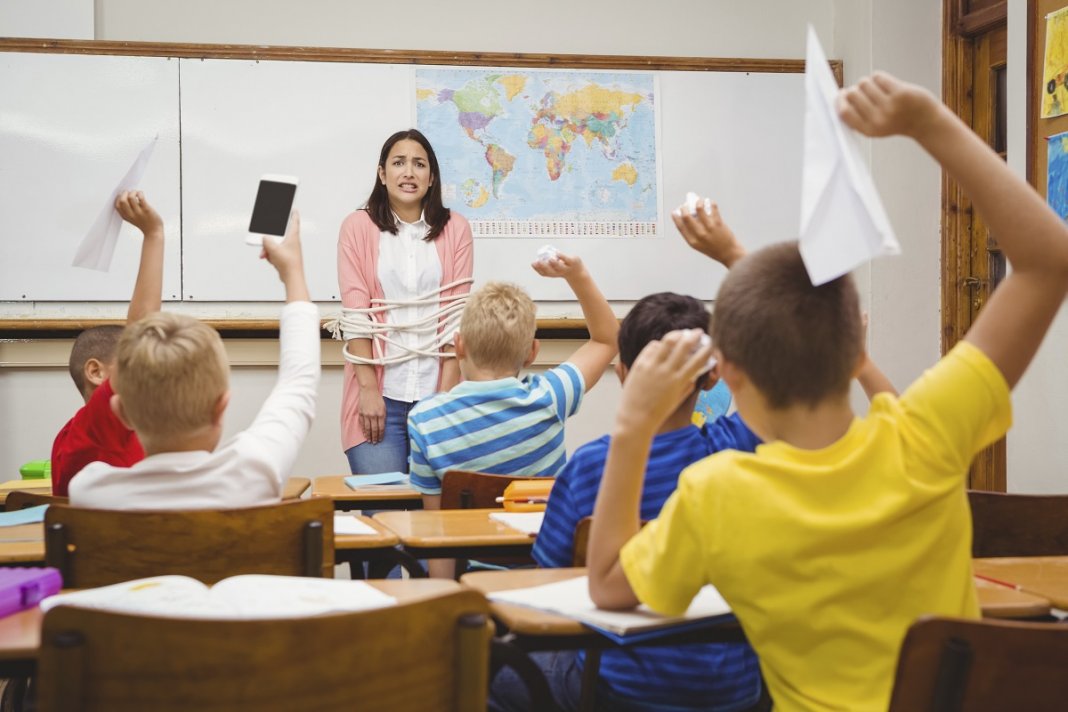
[(544, 153)]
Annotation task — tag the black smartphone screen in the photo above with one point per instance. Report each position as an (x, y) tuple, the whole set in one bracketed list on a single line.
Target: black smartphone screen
[(271, 211)]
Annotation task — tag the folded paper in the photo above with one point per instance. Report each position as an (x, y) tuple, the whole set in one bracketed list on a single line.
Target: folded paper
[(98, 247), (843, 223)]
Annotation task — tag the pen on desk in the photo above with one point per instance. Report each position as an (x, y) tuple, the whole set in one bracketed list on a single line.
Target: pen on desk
[(999, 582), (524, 500)]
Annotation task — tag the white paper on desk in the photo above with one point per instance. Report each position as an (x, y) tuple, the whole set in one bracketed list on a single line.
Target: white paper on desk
[(250, 596), (571, 598), (348, 524), (843, 223), (98, 247), (527, 522)]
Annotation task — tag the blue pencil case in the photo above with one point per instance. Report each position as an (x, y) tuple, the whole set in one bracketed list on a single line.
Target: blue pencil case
[(22, 588)]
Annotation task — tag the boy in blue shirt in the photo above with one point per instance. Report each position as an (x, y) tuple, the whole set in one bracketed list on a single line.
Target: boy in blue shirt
[(698, 677), (493, 421)]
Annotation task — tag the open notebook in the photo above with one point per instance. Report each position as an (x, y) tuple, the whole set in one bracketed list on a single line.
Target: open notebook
[(238, 597), (571, 598)]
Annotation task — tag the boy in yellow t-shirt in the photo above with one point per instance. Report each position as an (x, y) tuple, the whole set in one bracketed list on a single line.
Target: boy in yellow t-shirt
[(834, 536)]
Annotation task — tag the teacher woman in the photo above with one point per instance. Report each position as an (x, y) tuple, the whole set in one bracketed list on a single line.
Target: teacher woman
[(404, 266)]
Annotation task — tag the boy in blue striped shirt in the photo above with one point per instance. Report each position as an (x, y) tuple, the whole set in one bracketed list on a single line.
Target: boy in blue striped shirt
[(493, 421)]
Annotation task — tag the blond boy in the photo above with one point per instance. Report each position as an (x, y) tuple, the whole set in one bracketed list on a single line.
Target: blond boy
[(171, 384), (834, 536)]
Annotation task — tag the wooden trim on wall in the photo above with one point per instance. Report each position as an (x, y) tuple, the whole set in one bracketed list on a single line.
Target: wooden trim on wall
[(979, 21), (34, 328), (406, 56)]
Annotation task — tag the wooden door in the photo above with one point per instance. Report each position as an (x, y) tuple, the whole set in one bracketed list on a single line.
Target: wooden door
[(974, 85)]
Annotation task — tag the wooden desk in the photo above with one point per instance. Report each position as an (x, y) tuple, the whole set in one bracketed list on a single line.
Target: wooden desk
[(455, 534), (20, 633), (40, 486), (531, 629), (295, 487), (1045, 576), (998, 601), (374, 497), (22, 544)]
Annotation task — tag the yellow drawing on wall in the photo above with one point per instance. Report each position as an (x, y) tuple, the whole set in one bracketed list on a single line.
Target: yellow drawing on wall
[(1055, 92)]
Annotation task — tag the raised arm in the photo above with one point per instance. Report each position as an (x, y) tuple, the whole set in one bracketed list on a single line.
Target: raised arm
[(1014, 321), (148, 289), (593, 357), (707, 232), (658, 381)]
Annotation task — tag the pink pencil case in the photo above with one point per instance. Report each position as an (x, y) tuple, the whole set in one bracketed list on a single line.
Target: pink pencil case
[(22, 588)]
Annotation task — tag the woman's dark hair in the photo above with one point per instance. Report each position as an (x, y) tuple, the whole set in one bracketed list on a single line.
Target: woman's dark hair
[(436, 214)]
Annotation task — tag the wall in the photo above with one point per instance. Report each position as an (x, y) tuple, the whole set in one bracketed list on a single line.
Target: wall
[(902, 37), (1035, 463)]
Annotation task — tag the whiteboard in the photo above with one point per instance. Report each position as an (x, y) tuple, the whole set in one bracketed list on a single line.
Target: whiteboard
[(321, 122), (70, 125), (70, 128)]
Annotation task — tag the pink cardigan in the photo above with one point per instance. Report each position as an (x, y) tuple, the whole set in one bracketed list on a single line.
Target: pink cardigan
[(357, 276)]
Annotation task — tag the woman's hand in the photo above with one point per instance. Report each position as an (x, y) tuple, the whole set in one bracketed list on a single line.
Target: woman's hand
[(372, 414)]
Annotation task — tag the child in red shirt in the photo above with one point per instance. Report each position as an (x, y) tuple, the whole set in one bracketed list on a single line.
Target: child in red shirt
[(95, 433)]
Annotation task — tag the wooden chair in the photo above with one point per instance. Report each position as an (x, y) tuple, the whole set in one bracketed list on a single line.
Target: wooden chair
[(426, 655), (464, 489), (952, 665), (21, 499), (94, 547), (1018, 524)]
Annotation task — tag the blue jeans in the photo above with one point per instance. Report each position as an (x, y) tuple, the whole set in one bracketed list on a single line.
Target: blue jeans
[(390, 454), (563, 673)]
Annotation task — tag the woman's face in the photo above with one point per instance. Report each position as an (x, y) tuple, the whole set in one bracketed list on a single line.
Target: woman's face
[(406, 174)]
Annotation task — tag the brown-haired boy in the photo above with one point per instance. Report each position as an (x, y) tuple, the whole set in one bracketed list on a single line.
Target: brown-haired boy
[(94, 434), (840, 531), (172, 387)]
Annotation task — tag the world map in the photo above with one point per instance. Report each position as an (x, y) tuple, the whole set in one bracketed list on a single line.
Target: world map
[(543, 153)]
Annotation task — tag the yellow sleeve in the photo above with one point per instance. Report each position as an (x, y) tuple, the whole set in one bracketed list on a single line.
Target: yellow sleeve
[(957, 408), (664, 562)]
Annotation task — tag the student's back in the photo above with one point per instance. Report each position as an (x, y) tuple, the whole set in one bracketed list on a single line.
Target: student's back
[(172, 387), (494, 421), (848, 528), (693, 677)]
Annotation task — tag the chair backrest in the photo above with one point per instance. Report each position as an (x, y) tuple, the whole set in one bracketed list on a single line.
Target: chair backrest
[(96, 547), (464, 489), (21, 499), (1018, 524), (426, 655), (950, 665)]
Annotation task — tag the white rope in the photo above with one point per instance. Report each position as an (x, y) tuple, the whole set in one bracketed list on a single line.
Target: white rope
[(372, 323)]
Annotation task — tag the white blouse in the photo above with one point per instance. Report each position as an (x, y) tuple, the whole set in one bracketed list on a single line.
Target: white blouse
[(408, 267)]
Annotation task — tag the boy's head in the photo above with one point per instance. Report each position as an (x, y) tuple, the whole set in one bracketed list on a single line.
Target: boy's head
[(93, 357), (497, 329), (798, 344), (653, 317), (171, 377)]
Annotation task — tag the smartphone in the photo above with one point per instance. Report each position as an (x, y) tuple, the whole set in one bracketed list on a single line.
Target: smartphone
[(274, 203)]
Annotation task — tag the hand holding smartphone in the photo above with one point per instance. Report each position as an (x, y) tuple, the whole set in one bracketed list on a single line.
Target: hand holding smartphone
[(274, 203)]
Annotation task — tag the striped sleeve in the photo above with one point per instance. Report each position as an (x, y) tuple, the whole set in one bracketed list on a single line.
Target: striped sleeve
[(566, 387)]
